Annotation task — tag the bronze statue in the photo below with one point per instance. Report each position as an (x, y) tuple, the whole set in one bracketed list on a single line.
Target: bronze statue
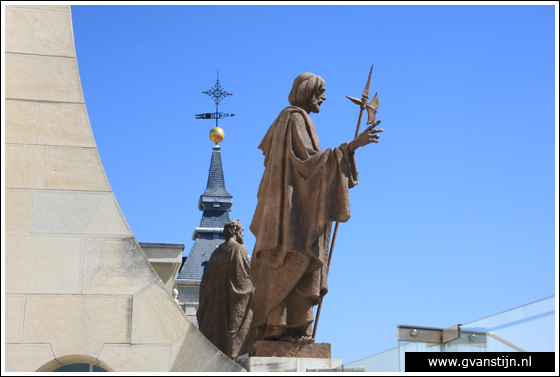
[(224, 314), (302, 191)]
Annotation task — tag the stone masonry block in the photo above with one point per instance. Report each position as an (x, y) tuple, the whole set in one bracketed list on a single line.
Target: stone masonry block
[(77, 324), (48, 123), (77, 212), (76, 169), (22, 118), (64, 124), (271, 364), (288, 364), (43, 264), (28, 357), (26, 166), (33, 31), (18, 210), (314, 363), (56, 8), (115, 266), (15, 306), (34, 77), (222, 363), (192, 352), (136, 358), (163, 323)]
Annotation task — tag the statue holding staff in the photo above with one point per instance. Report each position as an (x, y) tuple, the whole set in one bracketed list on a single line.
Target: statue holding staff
[(302, 191)]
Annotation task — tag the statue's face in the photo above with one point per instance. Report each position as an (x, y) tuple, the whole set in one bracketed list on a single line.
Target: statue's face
[(240, 236), (318, 98)]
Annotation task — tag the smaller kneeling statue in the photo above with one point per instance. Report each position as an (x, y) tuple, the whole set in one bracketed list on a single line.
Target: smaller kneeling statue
[(226, 290)]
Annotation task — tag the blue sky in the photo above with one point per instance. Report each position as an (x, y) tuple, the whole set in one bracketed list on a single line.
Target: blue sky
[(454, 215)]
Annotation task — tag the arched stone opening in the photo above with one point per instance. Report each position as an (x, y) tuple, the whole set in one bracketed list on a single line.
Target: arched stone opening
[(75, 363)]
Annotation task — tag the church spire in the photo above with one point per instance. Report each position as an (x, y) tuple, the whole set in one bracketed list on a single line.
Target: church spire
[(215, 202), (216, 195)]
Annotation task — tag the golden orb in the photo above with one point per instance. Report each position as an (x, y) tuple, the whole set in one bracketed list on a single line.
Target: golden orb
[(216, 134)]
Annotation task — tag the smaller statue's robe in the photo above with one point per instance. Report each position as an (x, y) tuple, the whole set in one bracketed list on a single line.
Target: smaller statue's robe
[(224, 314)]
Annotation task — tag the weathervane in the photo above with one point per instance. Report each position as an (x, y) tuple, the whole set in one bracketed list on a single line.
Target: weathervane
[(218, 94)]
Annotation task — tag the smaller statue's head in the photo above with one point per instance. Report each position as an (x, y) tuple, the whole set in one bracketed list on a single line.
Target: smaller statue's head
[(308, 92), (233, 228)]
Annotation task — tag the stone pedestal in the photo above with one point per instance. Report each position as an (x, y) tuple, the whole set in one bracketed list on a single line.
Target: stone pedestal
[(289, 364), (277, 356), (265, 348)]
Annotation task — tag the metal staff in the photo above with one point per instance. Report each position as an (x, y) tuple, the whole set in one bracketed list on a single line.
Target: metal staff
[(372, 111)]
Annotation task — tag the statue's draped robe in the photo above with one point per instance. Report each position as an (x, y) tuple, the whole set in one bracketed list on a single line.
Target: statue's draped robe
[(303, 190), (224, 314)]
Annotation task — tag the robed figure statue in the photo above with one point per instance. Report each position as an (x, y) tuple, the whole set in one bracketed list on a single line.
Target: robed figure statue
[(302, 191), (224, 314)]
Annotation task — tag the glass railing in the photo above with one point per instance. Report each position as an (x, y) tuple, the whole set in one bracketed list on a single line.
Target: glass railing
[(528, 328), (387, 361), (459, 342)]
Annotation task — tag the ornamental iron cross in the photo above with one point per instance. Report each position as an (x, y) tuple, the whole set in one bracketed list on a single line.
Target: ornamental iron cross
[(217, 93)]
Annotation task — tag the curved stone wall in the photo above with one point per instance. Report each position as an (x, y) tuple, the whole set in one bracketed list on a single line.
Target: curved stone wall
[(78, 286)]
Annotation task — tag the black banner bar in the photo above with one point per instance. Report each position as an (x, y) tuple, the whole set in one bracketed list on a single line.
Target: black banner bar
[(479, 362)]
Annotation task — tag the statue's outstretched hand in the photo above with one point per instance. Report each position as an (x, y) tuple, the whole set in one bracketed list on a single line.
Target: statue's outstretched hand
[(370, 135)]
